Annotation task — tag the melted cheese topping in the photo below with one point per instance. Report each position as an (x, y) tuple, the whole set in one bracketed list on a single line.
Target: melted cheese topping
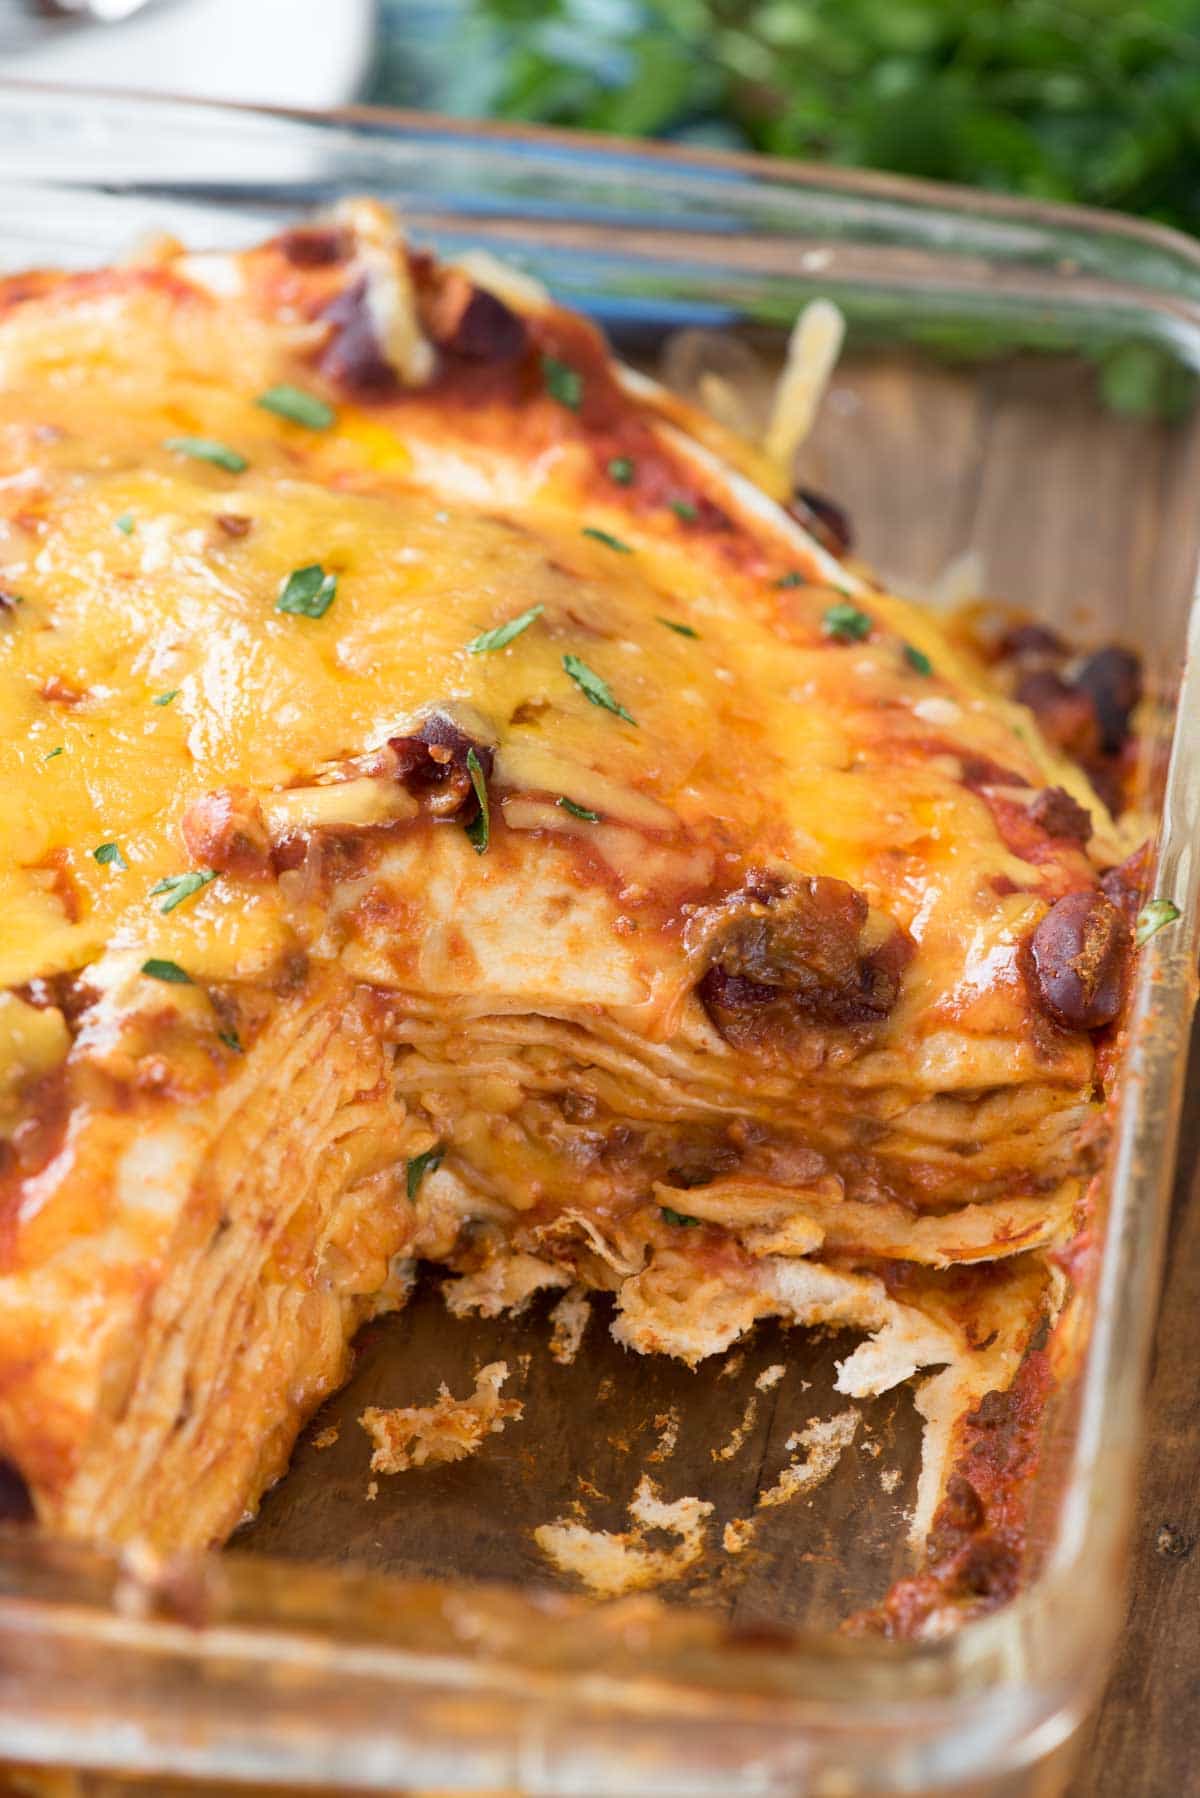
[(760, 737), (200, 1203)]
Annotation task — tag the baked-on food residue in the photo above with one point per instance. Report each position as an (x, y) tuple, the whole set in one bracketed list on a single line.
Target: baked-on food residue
[(449, 1429), (456, 803), (611, 1563)]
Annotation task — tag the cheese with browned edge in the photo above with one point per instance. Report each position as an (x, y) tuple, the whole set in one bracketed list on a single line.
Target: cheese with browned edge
[(725, 1003)]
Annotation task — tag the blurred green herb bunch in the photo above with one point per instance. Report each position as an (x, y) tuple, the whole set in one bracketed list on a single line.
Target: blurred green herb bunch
[(1092, 100)]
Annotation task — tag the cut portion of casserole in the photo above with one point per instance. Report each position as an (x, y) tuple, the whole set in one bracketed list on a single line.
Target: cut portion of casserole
[(450, 809)]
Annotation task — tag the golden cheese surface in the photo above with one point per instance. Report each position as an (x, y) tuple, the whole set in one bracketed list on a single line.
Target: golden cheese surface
[(144, 660), (450, 810)]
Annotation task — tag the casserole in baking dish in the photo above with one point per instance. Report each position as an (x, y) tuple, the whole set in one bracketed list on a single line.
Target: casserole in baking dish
[(455, 811)]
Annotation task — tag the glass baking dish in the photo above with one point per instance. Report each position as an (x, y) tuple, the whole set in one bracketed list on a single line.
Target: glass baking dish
[(1017, 406)]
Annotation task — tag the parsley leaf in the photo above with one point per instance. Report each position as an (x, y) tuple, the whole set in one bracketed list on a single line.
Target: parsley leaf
[(109, 855), (681, 630), (308, 592), (594, 688), (916, 658), (684, 509), (295, 404), (621, 470), (419, 1166), (125, 523), (578, 811), (165, 698), (794, 579), (1153, 917), (170, 971), (504, 633), (563, 383), (680, 1217), (178, 887), (208, 449), (479, 831), (846, 623), (607, 538)]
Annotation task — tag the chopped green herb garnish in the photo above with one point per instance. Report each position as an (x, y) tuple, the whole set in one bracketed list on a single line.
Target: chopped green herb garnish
[(300, 407), (165, 698), (109, 855), (178, 887), (479, 830), (170, 971), (681, 630), (50, 754), (608, 540), (846, 623), (419, 1166), (1153, 917), (597, 690), (208, 449), (680, 1217), (916, 658), (232, 1040), (125, 523), (308, 592), (621, 470), (563, 383), (578, 811), (683, 508), (793, 579), (504, 633)]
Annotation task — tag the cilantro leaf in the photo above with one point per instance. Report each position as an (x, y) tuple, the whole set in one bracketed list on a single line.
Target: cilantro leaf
[(232, 1040), (846, 623), (621, 470), (563, 383), (594, 688), (109, 855), (681, 630), (577, 811), (684, 509), (504, 633), (125, 523), (916, 658), (607, 538), (1154, 916), (178, 887), (299, 407), (793, 579), (208, 449), (165, 698), (479, 831), (170, 971), (51, 753), (308, 592), (419, 1166), (680, 1217)]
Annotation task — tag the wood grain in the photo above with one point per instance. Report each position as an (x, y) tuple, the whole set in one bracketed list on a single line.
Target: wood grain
[(1145, 1740)]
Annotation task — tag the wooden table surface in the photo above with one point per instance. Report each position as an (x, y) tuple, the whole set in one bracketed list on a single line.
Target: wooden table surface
[(1145, 1740)]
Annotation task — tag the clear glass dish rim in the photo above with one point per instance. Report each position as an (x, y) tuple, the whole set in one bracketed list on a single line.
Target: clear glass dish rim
[(1055, 1635)]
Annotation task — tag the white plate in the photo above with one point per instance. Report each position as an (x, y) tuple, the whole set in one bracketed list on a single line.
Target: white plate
[(282, 52)]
